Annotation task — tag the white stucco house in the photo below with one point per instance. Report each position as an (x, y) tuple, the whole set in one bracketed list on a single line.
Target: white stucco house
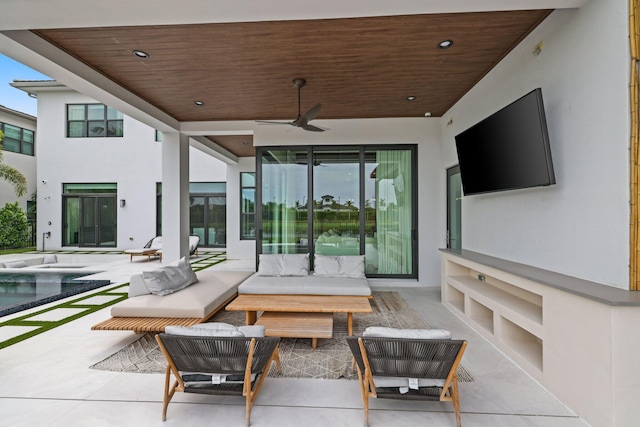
[(19, 152), (552, 286), (101, 189)]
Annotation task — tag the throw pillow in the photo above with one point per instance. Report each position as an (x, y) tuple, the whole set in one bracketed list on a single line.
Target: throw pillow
[(270, 265), (295, 265), (50, 259), (352, 266), (324, 265), (181, 271), (160, 283), (137, 286)]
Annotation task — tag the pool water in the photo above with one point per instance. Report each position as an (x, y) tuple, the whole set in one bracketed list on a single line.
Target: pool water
[(20, 291)]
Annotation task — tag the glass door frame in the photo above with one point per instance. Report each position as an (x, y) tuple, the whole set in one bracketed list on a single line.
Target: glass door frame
[(454, 170), (363, 149), (95, 198)]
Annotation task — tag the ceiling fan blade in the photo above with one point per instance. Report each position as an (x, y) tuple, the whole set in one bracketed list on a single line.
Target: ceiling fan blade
[(312, 113), (267, 122), (312, 128)]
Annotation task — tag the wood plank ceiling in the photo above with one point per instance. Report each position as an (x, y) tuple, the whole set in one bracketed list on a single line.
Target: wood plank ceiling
[(356, 67)]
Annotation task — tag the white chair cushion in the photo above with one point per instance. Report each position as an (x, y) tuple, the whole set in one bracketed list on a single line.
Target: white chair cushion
[(252, 331), (404, 382), (384, 332), (194, 331)]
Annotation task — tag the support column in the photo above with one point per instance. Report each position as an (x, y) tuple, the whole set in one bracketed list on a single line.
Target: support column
[(175, 197)]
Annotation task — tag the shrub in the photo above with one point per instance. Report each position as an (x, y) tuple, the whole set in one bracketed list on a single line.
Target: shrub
[(13, 226)]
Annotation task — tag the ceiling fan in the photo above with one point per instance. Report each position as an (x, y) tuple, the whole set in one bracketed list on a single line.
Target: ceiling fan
[(303, 120)]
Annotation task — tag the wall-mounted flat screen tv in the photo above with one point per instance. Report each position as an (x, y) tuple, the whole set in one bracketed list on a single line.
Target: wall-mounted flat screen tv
[(507, 150)]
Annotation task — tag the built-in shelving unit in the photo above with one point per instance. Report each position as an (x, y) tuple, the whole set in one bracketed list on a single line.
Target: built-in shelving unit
[(509, 316), (566, 332)]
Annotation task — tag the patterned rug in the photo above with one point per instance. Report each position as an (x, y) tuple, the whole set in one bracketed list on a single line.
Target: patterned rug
[(331, 359)]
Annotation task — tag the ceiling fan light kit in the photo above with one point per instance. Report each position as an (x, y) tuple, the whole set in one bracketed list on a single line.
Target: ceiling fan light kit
[(303, 120)]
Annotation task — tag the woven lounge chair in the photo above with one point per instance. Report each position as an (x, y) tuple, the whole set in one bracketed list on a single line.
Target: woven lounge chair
[(390, 368), (195, 362)]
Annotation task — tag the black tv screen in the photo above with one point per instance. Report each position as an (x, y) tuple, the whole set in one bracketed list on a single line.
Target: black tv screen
[(507, 150)]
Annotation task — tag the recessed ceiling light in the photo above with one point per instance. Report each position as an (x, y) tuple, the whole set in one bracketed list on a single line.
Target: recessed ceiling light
[(141, 54), (445, 44), (199, 103), (411, 98)]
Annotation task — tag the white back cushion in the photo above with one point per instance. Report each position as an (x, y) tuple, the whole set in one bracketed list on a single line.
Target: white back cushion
[(270, 265), (324, 265), (295, 265)]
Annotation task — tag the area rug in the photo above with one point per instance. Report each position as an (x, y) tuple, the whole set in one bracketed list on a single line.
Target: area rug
[(330, 360)]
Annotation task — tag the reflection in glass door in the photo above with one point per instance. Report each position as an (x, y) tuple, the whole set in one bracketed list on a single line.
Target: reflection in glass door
[(336, 202), (106, 226), (390, 246), (216, 220), (348, 201), (454, 208), (208, 219), (283, 210), (90, 221)]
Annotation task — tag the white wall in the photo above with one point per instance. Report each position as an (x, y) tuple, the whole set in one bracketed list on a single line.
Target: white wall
[(579, 226), (431, 178), (134, 162)]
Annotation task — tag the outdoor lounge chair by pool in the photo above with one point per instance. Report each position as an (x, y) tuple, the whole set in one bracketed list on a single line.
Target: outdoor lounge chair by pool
[(154, 248), (231, 365), (407, 369)]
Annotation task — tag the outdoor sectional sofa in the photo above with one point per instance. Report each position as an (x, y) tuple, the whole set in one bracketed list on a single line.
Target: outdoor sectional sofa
[(158, 298), (288, 274)]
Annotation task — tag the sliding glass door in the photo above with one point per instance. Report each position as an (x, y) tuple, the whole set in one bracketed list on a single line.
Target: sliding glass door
[(347, 201), (336, 199), (391, 214), (283, 212)]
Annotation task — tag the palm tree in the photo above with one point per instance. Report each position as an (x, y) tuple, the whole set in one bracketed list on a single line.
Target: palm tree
[(11, 174)]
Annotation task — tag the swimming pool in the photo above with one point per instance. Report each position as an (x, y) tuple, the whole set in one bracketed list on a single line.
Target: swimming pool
[(20, 291)]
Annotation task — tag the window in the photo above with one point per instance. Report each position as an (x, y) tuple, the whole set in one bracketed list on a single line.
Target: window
[(207, 212), (247, 206), (17, 139), (93, 120), (89, 214), (351, 200)]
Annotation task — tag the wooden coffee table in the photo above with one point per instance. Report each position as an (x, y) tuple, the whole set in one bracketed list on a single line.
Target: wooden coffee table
[(297, 325), (299, 316)]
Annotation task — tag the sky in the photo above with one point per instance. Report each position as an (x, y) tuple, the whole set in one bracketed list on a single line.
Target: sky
[(11, 97)]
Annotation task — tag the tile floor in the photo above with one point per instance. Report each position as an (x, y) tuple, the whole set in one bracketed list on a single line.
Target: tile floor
[(45, 381)]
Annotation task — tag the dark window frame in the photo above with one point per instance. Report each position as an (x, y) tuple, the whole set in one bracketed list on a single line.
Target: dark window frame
[(245, 216), (311, 150), (86, 121), (22, 143)]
